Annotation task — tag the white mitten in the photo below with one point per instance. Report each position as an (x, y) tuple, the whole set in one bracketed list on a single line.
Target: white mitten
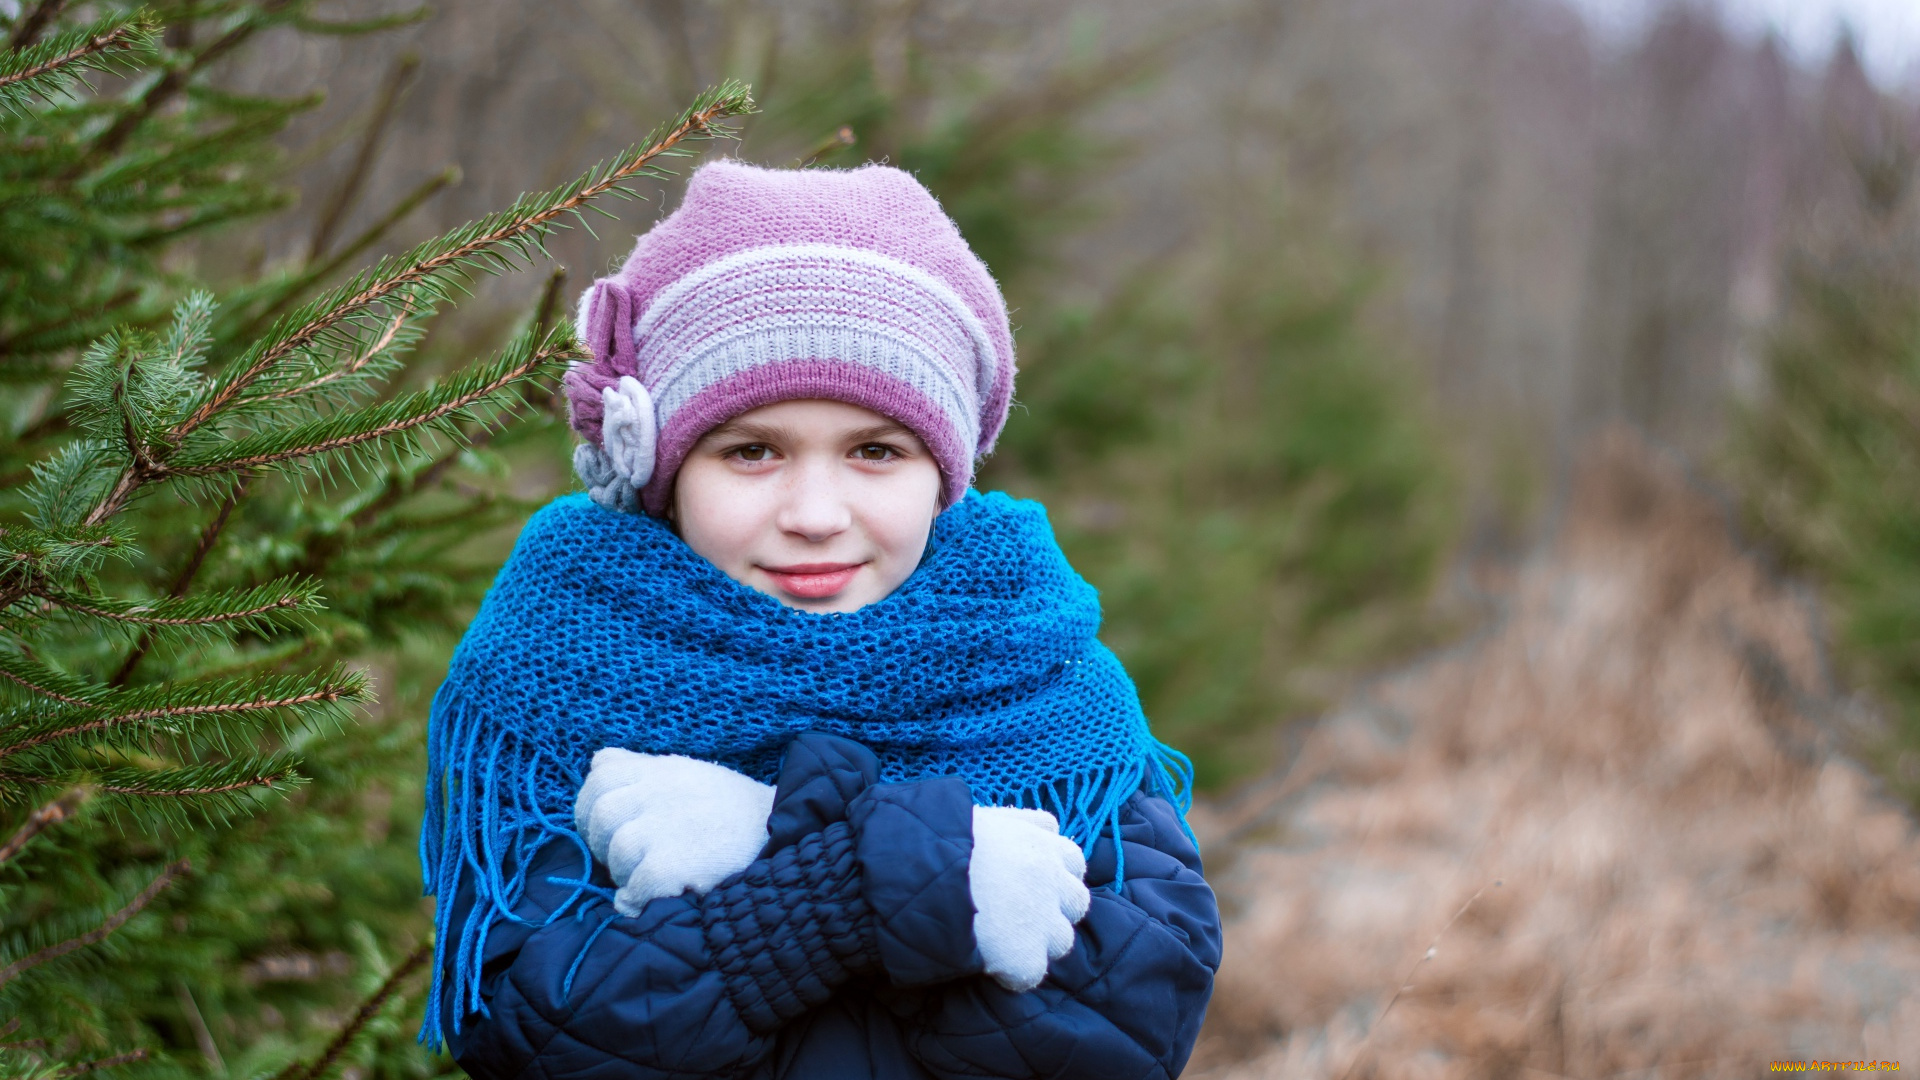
[(1027, 893), (663, 824)]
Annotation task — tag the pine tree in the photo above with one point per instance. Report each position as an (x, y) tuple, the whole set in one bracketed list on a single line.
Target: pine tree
[(1828, 458), (220, 519)]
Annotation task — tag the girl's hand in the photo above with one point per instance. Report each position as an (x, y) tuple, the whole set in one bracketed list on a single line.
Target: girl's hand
[(663, 824), (1028, 891)]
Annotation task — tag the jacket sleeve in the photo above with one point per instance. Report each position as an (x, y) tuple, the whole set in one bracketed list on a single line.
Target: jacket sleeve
[(1126, 1002), (698, 986), (690, 986)]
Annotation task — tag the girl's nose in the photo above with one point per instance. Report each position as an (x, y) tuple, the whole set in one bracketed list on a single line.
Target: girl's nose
[(814, 508)]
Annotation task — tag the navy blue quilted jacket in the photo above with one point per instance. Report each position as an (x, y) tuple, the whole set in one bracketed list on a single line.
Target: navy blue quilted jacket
[(846, 951)]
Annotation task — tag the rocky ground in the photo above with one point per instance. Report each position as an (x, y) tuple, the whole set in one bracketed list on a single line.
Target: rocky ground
[(1612, 835)]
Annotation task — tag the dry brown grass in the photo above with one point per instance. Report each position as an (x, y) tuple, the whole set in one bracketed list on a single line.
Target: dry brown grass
[(1692, 881)]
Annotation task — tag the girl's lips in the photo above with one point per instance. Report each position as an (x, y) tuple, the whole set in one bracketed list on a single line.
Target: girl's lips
[(813, 581)]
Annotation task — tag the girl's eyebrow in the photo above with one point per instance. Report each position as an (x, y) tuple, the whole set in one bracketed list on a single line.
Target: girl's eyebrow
[(759, 433), (774, 433), (888, 430)]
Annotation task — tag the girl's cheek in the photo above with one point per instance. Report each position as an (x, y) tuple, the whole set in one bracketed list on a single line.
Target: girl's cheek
[(912, 501), (717, 511)]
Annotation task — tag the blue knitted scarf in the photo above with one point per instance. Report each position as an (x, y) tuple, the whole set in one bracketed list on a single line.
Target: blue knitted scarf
[(605, 629)]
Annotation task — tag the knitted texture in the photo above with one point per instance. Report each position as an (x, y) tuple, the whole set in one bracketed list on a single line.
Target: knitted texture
[(791, 929), (605, 629), (770, 285)]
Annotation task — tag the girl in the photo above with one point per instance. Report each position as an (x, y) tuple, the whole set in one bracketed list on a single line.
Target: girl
[(780, 752)]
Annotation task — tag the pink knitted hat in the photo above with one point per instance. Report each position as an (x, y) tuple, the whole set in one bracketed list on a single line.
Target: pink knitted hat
[(768, 285)]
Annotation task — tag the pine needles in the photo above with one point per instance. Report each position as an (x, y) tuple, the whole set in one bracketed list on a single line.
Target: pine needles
[(54, 66), (211, 515)]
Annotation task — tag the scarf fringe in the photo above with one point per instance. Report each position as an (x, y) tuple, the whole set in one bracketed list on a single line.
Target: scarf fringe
[(484, 824)]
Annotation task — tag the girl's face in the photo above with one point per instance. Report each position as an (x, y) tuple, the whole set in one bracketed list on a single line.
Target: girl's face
[(821, 505)]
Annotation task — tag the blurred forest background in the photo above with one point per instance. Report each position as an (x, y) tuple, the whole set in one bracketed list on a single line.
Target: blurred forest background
[(1311, 296), (1318, 303)]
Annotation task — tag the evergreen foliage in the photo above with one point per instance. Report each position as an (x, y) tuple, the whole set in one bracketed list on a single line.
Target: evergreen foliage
[(224, 524), (1828, 461)]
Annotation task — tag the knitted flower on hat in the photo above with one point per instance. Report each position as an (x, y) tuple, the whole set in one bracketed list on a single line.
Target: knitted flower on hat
[(770, 285)]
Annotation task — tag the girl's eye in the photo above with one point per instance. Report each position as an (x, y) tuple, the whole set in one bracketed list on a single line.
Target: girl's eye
[(874, 452), (752, 452)]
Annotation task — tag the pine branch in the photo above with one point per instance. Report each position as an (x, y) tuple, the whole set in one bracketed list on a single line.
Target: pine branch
[(100, 933), (42, 681), (170, 798), (520, 229), (529, 219), (291, 290), (83, 1067), (386, 420), (174, 799), (166, 89), (546, 399), (549, 306), (148, 790), (840, 140), (133, 710), (356, 365), (196, 781), (250, 609), (355, 27), (141, 716), (400, 486), (41, 820), (397, 82), (38, 69), (31, 558), (369, 1009), (209, 1050)]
